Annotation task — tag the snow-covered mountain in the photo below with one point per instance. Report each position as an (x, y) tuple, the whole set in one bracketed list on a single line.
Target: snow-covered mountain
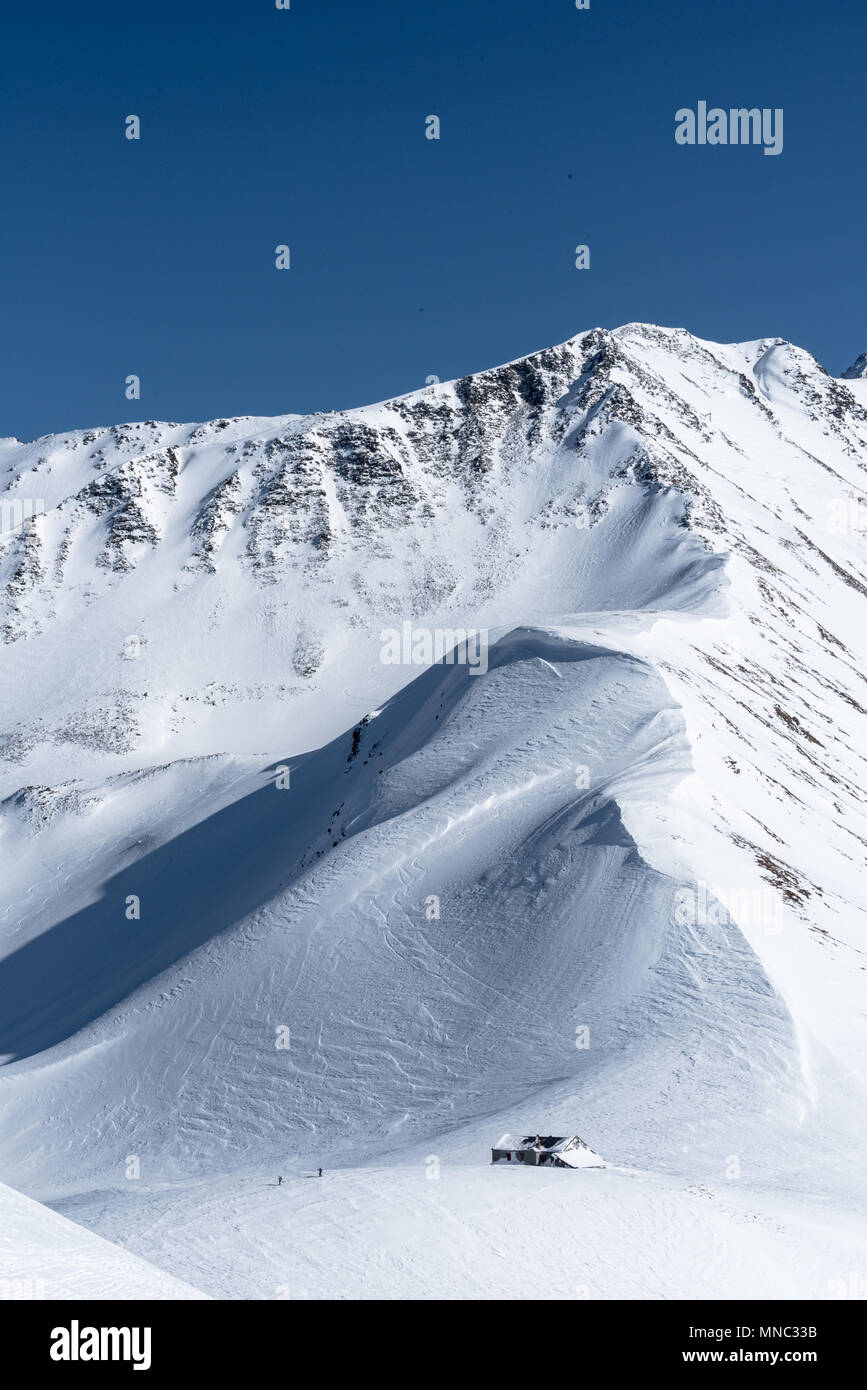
[(272, 899)]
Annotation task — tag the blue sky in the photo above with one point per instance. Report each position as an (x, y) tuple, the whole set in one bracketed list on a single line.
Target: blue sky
[(410, 257)]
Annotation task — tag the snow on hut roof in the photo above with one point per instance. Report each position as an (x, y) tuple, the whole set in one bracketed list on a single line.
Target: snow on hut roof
[(577, 1154), (548, 1142)]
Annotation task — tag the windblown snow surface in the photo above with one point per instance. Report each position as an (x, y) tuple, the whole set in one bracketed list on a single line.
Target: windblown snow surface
[(44, 1256), (613, 886)]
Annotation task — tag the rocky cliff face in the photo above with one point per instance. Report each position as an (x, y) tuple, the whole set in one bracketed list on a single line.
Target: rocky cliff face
[(857, 370)]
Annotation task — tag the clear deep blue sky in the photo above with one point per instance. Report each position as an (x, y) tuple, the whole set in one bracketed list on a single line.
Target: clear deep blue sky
[(409, 256)]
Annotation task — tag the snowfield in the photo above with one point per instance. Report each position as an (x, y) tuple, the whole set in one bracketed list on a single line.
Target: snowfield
[(45, 1256), (272, 902)]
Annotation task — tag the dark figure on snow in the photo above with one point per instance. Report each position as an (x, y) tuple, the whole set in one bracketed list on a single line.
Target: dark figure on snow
[(320, 1172), (279, 1182)]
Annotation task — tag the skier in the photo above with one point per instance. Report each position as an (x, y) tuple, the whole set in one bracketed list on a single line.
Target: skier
[(279, 1182), (320, 1172)]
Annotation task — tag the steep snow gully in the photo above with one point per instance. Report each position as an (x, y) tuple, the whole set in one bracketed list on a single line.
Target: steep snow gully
[(274, 899)]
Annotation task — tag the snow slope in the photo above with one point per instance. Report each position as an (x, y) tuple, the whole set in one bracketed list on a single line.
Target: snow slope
[(43, 1255), (612, 886)]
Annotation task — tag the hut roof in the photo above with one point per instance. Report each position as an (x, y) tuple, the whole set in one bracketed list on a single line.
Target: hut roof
[(570, 1150)]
